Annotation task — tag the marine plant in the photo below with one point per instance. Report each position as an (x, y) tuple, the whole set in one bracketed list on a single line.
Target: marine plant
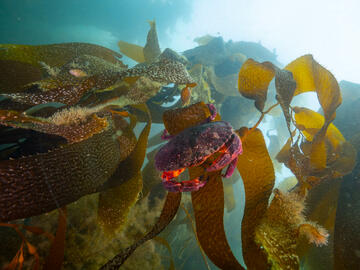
[(68, 131), (65, 133)]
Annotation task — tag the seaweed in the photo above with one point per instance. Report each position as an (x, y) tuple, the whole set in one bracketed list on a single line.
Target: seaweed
[(312, 157), (91, 147)]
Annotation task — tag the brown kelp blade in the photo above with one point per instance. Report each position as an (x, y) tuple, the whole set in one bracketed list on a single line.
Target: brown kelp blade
[(208, 205), (61, 89), (36, 184), (257, 172), (285, 88), (177, 120), (63, 123), (129, 167), (55, 55), (15, 74), (169, 211)]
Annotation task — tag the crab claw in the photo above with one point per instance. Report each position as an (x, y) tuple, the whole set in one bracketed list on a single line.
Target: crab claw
[(233, 148)]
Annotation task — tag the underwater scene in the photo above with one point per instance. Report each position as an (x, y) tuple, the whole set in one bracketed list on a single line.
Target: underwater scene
[(179, 135)]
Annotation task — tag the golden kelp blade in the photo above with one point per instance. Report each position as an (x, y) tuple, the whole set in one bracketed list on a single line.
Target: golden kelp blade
[(318, 155), (230, 202), (257, 172), (311, 76), (317, 160), (302, 71), (208, 205), (126, 183), (254, 79), (55, 55), (135, 52), (329, 149), (115, 204), (310, 122), (152, 48)]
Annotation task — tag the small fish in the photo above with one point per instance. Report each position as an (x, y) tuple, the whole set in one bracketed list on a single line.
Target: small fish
[(186, 95), (77, 73)]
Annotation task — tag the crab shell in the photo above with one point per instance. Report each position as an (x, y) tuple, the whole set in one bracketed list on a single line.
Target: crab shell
[(193, 146)]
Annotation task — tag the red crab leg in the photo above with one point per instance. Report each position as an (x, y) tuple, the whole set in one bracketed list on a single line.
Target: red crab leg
[(173, 186), (232, 148), (230, 170)]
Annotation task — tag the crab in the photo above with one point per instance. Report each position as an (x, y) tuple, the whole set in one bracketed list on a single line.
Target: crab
[(192, 147)]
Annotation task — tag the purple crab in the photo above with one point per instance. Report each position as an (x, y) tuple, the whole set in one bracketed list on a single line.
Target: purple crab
[(192, 147)]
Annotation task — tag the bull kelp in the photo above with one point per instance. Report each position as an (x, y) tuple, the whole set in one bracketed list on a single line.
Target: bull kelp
[(78, 164)]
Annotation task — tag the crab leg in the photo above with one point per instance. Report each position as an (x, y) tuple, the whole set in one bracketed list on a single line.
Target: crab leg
[(230, 170), (184, 186), (213, 112), (233, 148), (165, 135), (173, 186)]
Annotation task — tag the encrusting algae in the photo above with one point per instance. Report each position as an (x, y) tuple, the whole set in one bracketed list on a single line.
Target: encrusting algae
[(281, 228)]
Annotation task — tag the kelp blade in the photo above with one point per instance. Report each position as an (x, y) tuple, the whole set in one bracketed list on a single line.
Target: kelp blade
[(254, 79), (169, 211), (257, 172), (208, 205), (55, 55), (126, 184)]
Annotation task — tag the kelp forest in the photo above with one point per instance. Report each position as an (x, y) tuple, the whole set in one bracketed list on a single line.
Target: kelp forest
[(80, 182)]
